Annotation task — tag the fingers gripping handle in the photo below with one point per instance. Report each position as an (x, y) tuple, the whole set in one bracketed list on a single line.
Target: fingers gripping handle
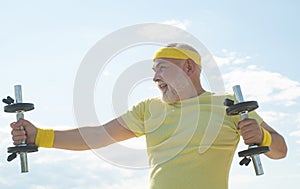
[(20, 115), (255, 158)]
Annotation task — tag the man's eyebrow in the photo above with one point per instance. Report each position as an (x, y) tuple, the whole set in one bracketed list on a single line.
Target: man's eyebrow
[(156, 64)]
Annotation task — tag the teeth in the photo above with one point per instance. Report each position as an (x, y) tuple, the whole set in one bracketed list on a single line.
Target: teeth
[(162, 85)]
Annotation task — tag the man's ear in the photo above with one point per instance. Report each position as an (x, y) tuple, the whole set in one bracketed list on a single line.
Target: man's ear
[(190, 66)]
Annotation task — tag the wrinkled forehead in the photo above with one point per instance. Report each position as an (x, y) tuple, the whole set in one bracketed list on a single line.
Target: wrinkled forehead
[(160, 61), (165, 61)]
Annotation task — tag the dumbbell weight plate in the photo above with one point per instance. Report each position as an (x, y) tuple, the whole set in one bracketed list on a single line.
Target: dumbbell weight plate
[(241, 107), (254, 151), (27, 148), (12, 108)]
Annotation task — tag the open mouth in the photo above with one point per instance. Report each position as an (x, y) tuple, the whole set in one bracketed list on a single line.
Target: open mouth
[(162, 86)]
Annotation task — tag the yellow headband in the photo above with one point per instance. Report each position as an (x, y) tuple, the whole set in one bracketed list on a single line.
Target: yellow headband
[(177, 53)]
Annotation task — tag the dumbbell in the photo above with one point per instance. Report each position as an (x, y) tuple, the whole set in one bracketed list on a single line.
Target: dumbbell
[(242, 108), (19, 108)]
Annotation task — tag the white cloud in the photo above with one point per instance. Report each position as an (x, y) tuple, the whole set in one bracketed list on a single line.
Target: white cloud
[(295, 133), (5, 136), (298, 120), (272, 116), (164, 33), (4, 115), (178, 23), (4, 181), (40, 187), (79, 169), (238, 180), (227, 57), (258, 83), (135, 143), (132, 183), (268, 86)]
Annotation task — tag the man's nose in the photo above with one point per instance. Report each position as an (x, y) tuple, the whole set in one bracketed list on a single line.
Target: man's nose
[(156, 77)]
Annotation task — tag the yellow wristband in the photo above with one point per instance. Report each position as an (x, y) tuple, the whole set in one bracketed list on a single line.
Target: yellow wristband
[(44, 138), (267, 139)]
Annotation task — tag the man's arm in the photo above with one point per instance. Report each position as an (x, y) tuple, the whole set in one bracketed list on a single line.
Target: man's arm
[(252, 134), (278, 148), (82, 138)]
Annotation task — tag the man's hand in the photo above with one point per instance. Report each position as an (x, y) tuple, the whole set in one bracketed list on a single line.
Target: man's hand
[(250, 131), (28, 135)]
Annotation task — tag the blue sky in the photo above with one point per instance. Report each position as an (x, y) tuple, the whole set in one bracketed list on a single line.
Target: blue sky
[(42, 43)]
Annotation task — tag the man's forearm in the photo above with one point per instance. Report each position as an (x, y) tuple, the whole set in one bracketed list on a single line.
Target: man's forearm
[(278, 148), (83, 138)]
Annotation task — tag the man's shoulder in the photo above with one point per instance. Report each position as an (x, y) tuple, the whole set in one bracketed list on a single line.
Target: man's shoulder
[(151, 100), (220, 95)]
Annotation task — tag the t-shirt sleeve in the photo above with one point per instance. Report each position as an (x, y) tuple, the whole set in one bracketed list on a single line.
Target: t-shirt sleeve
[(134, 118)]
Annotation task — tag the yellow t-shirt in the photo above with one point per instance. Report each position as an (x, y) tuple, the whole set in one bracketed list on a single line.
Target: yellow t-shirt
[(190, 144)]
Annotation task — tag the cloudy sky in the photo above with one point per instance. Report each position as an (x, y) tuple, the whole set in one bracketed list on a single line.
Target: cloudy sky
[(43, 45)]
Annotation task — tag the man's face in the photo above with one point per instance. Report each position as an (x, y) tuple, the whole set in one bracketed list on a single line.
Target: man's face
[(170, 79)]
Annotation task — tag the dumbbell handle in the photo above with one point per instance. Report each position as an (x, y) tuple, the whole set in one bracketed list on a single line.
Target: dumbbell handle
[(20, 115), (255, 158), (239, 97)]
